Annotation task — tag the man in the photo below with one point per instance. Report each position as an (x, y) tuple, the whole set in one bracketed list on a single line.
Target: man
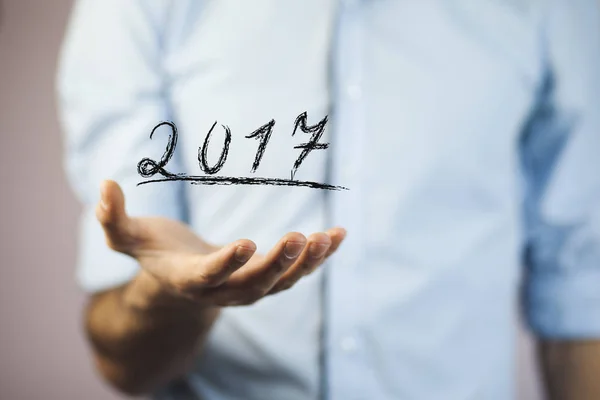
[(466, 132)]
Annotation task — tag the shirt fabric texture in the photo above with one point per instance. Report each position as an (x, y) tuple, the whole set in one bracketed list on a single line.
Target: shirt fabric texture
[(467, 132)]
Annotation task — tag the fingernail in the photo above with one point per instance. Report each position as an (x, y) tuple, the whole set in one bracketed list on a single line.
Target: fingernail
[(293, 249), (243, 254), (317, 250)]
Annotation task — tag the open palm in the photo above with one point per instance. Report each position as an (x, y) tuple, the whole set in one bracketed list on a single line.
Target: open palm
[(188, 265)]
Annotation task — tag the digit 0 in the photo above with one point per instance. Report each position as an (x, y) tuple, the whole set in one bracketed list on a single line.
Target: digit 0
[(203, 151)]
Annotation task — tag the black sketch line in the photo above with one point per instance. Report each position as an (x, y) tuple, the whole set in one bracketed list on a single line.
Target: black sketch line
[(263, 134), (203, 151), (147, 167), (313, 144), (227, 180)]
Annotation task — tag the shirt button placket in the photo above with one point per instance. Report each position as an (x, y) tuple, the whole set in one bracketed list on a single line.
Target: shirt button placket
[(346, 361)]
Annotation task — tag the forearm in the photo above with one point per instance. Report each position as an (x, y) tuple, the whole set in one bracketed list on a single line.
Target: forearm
[(571, 369), (143, 336)]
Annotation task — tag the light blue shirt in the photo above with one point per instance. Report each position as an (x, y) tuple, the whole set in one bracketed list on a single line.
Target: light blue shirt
[(467, 132)]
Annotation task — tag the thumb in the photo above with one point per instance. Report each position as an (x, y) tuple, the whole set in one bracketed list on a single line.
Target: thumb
[(110, 211)]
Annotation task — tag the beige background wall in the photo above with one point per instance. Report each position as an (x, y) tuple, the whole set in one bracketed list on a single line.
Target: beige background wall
[(42, 352), (42, 349)]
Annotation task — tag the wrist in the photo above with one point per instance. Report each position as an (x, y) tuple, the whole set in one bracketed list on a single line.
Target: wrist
[(146, 293)]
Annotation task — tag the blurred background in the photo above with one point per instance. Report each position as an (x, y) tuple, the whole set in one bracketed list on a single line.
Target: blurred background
[(43, 354)]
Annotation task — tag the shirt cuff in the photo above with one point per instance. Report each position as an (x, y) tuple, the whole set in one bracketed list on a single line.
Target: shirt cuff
[(564, 305)]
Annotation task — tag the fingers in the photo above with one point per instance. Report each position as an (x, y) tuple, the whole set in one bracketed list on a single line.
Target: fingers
[(266, 272), (320, 246), (249, 284), (292, 258), (194, 275), (110, 211), (337, 236), (216, 268), (311, 257)]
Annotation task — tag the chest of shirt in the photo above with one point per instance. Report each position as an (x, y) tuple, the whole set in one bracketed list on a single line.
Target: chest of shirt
[(431, 72), (437, 90)]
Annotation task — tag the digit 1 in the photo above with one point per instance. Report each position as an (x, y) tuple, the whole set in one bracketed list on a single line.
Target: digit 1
[(263, 134), (203, 151)]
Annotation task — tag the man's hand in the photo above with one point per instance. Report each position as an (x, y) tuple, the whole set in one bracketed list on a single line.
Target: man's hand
[(210, 275), (146, 333)]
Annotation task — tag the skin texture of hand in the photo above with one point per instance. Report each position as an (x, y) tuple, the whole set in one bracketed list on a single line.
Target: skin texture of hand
[(217, 276), (146, 333), (571, 369)]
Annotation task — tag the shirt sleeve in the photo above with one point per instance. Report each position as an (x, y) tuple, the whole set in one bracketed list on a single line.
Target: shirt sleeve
[(111, 93), (561, 160)]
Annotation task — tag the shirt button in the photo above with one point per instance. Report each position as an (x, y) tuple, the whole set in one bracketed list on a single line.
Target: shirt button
[(354, 92), (348, 344)]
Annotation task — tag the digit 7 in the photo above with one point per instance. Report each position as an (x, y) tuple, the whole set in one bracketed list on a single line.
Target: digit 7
[(316, 131)]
